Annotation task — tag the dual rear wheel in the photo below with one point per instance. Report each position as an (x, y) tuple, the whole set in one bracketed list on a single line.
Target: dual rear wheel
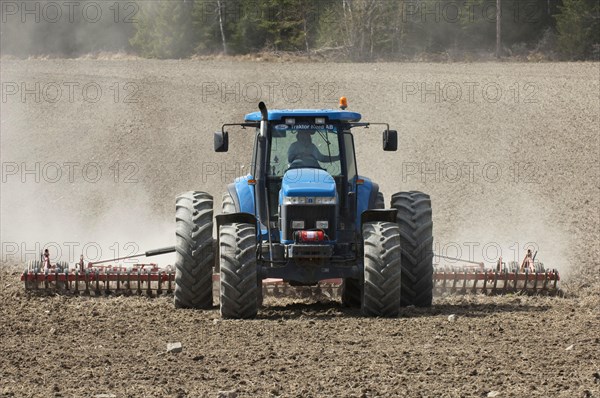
[(415, 254), (195, 259)]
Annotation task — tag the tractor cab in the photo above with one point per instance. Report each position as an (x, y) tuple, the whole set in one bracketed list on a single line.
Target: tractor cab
[(304, 177)]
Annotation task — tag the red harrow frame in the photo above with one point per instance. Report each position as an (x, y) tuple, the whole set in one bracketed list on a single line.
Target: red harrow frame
[(149, 279)]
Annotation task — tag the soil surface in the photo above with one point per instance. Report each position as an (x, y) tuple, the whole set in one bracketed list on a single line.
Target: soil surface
[(95, 151)]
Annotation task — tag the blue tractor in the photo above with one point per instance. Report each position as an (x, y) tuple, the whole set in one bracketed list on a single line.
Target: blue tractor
[(304, 214)]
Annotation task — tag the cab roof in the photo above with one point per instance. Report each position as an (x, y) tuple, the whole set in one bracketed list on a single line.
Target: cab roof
[(331, 114)]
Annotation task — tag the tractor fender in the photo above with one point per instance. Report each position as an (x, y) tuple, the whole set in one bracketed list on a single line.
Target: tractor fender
[(242, 194), (232, 218), (374, 215), (366, 197)]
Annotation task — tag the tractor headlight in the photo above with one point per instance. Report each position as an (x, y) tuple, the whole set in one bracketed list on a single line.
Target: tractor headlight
[(322, 224), (294, 200), (325, 201), (297, 224), (304, 200)]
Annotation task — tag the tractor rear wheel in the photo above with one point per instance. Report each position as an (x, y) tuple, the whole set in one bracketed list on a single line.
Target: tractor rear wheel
[(239, 295), (228, 204), (416, 237), (194, 250), (382, 287)]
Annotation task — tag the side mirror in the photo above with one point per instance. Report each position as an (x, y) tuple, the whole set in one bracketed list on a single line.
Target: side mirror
[(390, 140), (221, 141)]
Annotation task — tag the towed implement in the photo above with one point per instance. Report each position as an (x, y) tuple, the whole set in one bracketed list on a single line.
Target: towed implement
[(530, 277), (303, 218), (151, 280)]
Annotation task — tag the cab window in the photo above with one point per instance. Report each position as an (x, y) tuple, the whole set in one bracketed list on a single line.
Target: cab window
[(304, 146)]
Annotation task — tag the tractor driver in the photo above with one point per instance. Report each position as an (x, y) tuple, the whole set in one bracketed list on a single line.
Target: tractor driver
[(303, 153)]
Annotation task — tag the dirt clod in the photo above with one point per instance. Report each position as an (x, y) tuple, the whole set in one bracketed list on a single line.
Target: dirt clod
[(174, 347)]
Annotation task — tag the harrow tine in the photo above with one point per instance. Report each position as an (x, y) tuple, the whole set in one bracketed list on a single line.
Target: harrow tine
[(159, 290), (444, 281), (149, 288), (485, 279), (87, 283), (139, 282), (118, 281), (463, 290), (128, 282), (454, 280), (169, 289), (107, 279), (97, 277), (474, 289)]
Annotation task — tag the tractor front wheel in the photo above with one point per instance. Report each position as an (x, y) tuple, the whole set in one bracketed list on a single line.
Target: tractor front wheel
[(381, 291), (414, 218), (239, 288)]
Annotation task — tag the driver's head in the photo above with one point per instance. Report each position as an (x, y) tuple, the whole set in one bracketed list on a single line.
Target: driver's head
[(304, 137)]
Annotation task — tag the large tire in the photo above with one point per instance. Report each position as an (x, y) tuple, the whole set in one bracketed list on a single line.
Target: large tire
[(416, 236), (194, 251), (228, 208), (382, 263), (228, 204), (239, 289), (351, 293)]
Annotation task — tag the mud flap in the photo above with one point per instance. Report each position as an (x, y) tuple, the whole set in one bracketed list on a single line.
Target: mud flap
[(381, 215)]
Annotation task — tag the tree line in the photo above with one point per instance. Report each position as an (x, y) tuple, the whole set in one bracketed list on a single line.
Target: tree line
[(358, 30)]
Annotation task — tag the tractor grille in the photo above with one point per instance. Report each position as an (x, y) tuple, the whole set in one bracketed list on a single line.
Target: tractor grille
[(310, 214)]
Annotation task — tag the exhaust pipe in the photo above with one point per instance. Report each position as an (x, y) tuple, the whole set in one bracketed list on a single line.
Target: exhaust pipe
[(264, 119)]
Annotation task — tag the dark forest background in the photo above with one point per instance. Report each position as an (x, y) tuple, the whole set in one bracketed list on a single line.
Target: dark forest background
[(354, 30)]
